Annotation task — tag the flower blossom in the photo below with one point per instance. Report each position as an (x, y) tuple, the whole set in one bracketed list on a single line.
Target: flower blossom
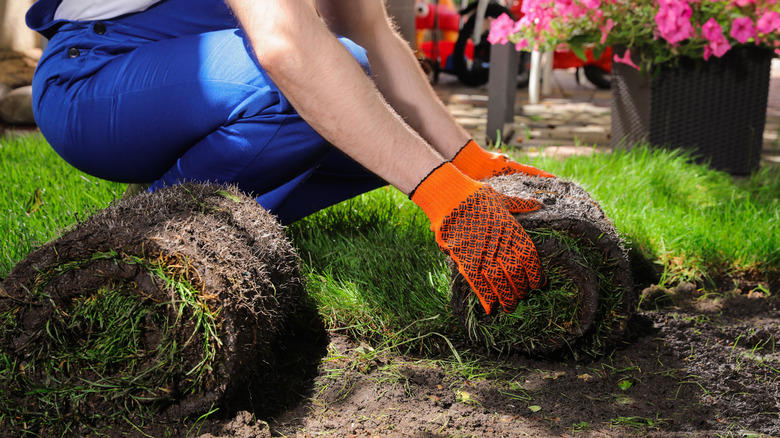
[(605, 29), (531, 7), (593, 5), (537, 16), (718, 43), (626, 59), (661, 30), (522, 44), (569, 9), (768, 22), (743, 29), (500, 29), (717, 47), (674, 20), (711, 29)]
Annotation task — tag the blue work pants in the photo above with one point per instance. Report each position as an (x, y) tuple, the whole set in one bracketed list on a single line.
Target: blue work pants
[(174, 94)]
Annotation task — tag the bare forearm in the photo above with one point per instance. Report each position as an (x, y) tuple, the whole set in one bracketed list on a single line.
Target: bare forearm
[(396, 71), (331, 92), (401, 80)]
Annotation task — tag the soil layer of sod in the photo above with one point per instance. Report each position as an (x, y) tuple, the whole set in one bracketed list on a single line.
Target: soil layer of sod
[(589, 297), (160, 307)]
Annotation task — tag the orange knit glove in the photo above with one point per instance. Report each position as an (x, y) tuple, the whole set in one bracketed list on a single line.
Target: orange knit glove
[(480, 164), (473, 224)]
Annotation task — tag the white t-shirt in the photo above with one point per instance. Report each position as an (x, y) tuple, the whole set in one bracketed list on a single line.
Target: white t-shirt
[(87, 10)]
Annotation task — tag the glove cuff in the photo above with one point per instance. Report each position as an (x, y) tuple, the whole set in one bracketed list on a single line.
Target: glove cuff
[(441, 191), (475, 162)]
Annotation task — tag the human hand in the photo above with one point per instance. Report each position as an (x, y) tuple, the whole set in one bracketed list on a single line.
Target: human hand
[(479, 164), (473, 224)]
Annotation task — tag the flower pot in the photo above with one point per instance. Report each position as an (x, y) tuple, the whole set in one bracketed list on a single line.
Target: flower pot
[(716, 108)]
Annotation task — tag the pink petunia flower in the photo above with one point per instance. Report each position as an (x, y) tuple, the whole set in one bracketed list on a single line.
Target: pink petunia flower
[(717, 47), (531, 6), (569, 9), (626, 59), (522, 44), (500, 29), (718, 43), (674, 20), (711, 30), (768, 22), (591, 4), (743, 29)]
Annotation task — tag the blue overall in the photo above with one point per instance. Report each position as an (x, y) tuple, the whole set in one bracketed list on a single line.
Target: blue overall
[(173, 94)]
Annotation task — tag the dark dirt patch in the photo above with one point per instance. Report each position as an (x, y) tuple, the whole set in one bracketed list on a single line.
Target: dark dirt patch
[(706, 366), (702, 366), (698, 366)]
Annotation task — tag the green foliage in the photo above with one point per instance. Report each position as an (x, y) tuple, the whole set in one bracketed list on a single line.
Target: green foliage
[(42, 194), (376, 274), (641, 25)]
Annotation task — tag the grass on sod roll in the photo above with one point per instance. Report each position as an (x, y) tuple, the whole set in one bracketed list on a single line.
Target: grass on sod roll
[(372, 266), (546, 317), (95, 360)]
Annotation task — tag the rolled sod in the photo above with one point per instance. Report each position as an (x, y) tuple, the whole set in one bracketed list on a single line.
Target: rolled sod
[(589, 296), (163, 305)]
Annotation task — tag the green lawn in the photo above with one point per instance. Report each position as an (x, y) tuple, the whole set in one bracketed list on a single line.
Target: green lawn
[(43, 195), (371, 262)]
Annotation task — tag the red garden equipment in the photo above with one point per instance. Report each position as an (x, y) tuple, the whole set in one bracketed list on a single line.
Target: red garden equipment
[(458, 42)]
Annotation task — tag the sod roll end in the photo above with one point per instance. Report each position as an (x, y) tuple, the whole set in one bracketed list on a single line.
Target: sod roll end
[(163, 305), (589, 297)]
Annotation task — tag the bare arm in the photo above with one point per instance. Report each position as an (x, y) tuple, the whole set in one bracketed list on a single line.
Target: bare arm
[(396, 71), (330, 90)]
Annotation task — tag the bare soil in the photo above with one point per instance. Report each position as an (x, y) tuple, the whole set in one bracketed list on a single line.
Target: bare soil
[(692, 365)]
